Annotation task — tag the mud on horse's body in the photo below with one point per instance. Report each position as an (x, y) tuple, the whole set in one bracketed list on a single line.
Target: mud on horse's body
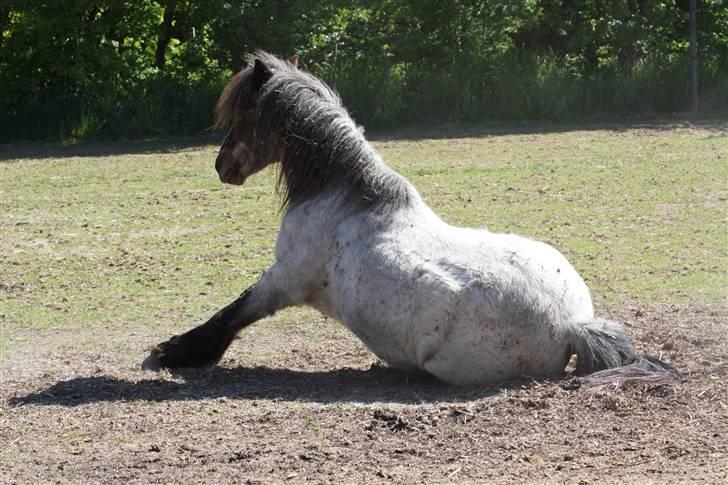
[(358, 243)]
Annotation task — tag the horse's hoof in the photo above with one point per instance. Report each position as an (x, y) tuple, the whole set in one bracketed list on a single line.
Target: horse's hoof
[(200, 347), (153, 361), (164, 355)]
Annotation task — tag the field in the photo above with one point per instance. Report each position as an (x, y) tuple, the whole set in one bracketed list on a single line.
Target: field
[(108, 249)]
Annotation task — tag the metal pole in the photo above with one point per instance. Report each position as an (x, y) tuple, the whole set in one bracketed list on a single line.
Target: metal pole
[(693, 55)]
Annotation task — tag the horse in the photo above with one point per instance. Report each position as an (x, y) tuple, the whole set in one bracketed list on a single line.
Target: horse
[(358, 243)]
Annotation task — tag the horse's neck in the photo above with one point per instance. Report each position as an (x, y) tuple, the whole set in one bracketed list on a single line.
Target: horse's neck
[(348, 165), (381, 181)]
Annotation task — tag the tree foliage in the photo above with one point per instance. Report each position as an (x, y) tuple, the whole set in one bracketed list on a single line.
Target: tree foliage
[(75, 68)]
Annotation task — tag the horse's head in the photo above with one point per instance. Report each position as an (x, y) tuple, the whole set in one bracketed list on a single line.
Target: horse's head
[(240, 155)]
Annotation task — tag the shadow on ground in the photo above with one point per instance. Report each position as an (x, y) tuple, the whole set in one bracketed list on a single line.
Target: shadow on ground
[(377, 384), (39, 150), (718, 125)]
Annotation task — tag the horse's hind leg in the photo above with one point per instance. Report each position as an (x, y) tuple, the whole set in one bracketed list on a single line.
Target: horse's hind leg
[(204, 345)]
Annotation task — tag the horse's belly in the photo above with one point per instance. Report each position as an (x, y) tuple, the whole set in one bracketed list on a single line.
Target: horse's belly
[(490, 351), (416, 321), (465, 319), (462, 346)]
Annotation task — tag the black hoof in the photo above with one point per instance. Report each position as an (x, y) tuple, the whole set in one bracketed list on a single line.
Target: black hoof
[(165, 356), (200, 347), (153, 361)]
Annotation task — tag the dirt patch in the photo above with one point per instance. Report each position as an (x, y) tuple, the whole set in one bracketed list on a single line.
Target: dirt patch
[(311, 404)]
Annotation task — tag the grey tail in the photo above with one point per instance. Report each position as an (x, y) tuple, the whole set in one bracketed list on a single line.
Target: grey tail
[(649, 371), (601, 344), (605, 357)]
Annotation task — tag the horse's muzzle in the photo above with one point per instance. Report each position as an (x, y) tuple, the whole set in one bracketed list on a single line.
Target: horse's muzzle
[(230, 174), (227, 170)]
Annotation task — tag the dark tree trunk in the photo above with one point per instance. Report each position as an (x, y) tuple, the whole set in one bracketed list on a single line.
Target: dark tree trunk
[(693, 56), (165, 36)]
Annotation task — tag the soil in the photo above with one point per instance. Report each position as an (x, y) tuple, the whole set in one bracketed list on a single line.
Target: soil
[(311, 404)]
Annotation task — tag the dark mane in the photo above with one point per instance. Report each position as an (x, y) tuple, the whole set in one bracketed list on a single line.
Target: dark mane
[(301, 123)]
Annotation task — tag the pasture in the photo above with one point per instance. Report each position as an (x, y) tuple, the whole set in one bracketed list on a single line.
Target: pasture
[(108, 249)]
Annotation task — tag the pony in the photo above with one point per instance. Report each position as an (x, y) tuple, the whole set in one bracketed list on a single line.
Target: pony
[(358, 243)]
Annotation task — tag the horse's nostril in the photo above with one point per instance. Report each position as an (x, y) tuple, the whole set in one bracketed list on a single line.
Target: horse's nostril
[(218, 163)]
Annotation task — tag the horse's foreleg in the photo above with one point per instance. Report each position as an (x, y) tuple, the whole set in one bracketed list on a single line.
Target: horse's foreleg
[(204, 345)]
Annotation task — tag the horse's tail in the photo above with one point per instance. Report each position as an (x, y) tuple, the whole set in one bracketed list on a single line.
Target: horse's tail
[(605, 357)]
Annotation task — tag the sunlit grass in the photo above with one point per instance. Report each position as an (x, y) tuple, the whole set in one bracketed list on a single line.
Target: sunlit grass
[(155, 239)]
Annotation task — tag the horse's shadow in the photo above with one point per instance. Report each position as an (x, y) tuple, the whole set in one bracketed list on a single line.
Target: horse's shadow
[(374, 385)]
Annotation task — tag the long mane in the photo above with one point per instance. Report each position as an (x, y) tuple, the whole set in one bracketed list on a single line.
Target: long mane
[(301, 123)]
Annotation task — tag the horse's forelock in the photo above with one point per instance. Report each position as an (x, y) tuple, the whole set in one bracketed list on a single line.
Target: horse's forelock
[(228, 102)]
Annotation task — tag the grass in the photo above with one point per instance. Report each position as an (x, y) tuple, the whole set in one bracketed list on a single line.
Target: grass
[(152, 238)]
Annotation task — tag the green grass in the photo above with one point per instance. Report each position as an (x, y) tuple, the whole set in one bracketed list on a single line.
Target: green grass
[(155, 239)]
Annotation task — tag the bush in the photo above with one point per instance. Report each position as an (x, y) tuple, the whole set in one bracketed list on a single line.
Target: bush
[(74, 69)]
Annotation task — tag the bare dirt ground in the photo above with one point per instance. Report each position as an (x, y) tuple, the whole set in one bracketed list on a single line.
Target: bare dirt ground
[(283, 406)]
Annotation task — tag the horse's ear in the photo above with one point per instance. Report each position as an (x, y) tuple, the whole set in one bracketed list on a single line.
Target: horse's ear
[(261, 74), (294, 60)]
